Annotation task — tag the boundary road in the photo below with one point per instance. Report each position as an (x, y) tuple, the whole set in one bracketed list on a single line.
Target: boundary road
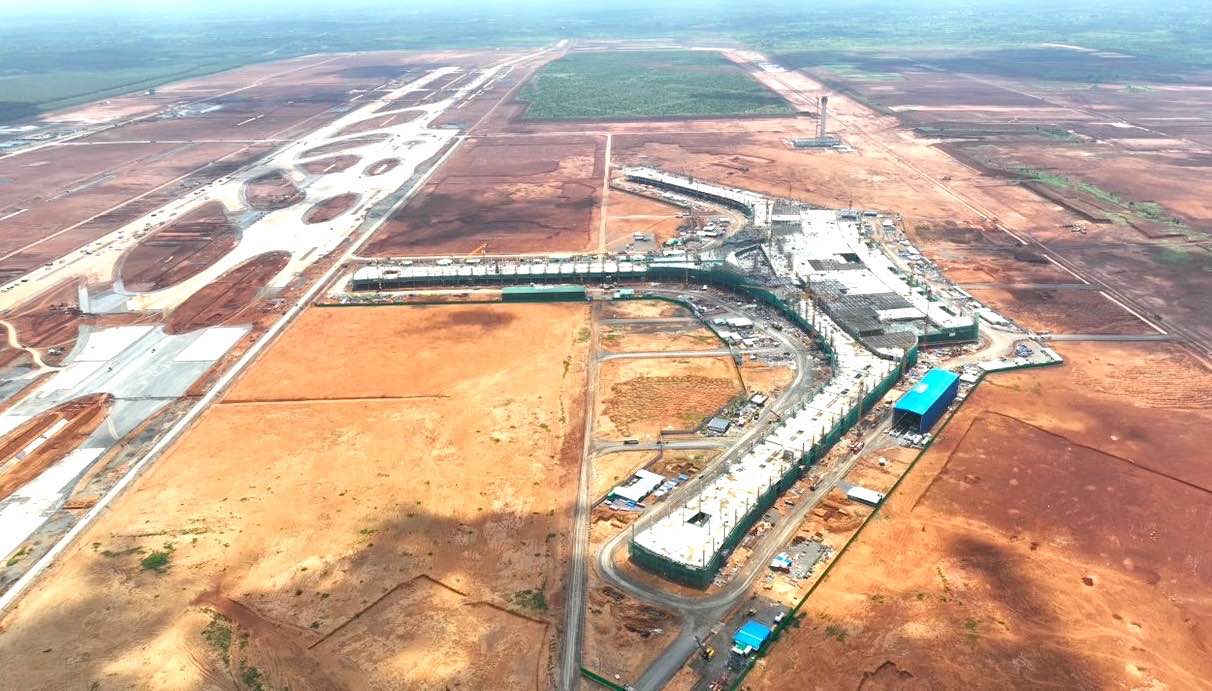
[(574, 602)]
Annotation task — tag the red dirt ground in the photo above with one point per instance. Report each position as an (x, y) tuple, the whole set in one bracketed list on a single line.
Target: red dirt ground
[(380, 167), (512, 195), (342, 145), (1062, 310), (335, 164), (330, 208), (52, 320), (227, 299), (272, 191), (180, 249), (413, 538), (1046, 540), (381, 122), (84, 414), (93, 211)]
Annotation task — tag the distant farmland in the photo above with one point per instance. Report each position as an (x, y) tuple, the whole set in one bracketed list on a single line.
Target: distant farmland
[(625, 85)]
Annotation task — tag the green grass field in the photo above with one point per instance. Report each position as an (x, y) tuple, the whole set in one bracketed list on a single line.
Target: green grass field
[(627, 85)]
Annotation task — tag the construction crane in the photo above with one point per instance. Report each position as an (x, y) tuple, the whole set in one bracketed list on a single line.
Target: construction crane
[(479, 250)]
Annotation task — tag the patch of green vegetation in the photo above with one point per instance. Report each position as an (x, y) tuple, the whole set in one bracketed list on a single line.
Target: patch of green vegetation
[(251, 677), (837, 631), (156, 561), (1182, 256), (17, 556), (218, 634), (1060, 182), (1099, 193), (972, 631), (1059, 135), (1147, 210), (644, 84), (534, 599)]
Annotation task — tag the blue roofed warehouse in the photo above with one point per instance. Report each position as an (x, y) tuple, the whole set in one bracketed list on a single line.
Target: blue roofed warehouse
[(924, 404), (750, 637)]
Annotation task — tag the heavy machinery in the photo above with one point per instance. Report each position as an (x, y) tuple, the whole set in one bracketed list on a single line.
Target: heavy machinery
[(706, 652)]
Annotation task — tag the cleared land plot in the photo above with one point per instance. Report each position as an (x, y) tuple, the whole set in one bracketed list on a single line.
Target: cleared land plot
[(1063, 310), (657, 337), (50, 321), (645, 84), (1028, 542), (976, 255), (628, 213), (380, 167), (78, 212), (272, 191), (330, 208), (509, 195), (335, 164), (642, 309), (640, 398), (227, 299), (366, 520), (180, 249)]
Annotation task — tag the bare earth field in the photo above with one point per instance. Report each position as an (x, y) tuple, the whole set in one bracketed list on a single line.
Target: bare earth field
[(180, 249), (639, 398), (657, 337), (380, 167), (226, 300), (345, 517), (1045, 540), (642, 309), (631, 213), (272, 191), (1062, 310), (327, 209), (52, 320), (509, 195)]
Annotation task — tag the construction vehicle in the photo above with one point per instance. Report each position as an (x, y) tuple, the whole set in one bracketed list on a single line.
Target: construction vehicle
[(706, 652)]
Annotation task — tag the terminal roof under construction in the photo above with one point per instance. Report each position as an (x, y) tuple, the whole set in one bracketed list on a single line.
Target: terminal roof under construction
[(860, 286), (694, 531)]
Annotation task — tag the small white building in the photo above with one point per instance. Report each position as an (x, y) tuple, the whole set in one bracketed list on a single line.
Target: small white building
[(864, 495), (641, 485), (740, 323)]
